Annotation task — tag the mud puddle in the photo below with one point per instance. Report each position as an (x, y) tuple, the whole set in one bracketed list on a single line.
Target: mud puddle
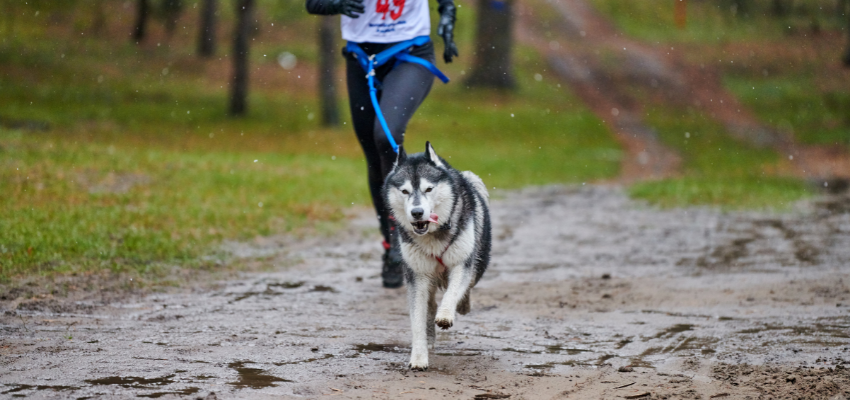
[(614, 285), (184, 392), (18, 390), (254, 378), (132, 381)]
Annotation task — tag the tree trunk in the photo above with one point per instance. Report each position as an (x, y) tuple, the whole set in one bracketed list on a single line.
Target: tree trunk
[(741, 8), (99, 21), (847, 52), (680, 13), (239, 85), (171, 10), (327, 69), (493, 46), (9, 11), (142, 14), (780, 8), (206, 37)]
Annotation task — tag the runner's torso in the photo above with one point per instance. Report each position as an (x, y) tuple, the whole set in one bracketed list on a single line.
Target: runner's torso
[(388, 21)]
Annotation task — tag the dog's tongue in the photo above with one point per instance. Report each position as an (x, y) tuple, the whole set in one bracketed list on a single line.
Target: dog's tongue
[(433, 218)]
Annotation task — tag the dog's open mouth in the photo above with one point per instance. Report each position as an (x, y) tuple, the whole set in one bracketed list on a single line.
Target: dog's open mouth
[(420, 227)]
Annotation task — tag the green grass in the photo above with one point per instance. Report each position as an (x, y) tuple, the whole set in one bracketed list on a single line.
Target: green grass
[(718, 170), (791, 105), (717, 21), (141, 168), (71, 207)]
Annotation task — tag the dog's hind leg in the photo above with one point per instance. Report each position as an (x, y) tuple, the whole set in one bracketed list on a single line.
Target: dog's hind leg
[(418, 292), (463, 306), (460, 278), (432, 312)]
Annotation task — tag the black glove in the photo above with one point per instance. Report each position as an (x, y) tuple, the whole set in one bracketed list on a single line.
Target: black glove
[(446, 30), (346, 7)]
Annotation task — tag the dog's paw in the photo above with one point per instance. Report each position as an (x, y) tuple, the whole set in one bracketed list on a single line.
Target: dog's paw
[(445, 318), (444, 323), (419, 362)]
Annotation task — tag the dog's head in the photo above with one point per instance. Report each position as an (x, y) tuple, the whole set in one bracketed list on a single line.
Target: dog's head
[(419, 191)]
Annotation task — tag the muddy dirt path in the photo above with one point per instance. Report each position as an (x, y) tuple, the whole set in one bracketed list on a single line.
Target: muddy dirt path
[(689, 303), (616, 76)]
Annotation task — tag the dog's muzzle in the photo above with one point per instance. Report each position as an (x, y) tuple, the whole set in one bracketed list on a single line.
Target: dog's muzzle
[(421, 227)]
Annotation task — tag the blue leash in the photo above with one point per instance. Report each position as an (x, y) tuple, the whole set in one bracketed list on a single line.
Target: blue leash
[(401, 53)]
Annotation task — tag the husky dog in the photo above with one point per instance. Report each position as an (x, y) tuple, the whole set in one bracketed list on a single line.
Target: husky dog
[(443, 224)]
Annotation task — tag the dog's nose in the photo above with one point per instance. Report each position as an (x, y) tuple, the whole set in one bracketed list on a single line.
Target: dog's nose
[(417, 213)]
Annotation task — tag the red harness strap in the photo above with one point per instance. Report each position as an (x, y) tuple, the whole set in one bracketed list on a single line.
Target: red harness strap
[(440, 257)]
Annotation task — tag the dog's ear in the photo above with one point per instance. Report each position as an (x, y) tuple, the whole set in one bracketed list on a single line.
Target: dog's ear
[(432, 155), (401, 156)]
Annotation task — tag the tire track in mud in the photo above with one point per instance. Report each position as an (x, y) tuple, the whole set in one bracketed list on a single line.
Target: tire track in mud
[(606, 69), (583, 282)]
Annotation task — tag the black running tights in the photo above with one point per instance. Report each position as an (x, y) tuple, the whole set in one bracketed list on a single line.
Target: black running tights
[(403, 89)]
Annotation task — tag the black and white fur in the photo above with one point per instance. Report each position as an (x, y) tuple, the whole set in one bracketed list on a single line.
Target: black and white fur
[(438, 212)]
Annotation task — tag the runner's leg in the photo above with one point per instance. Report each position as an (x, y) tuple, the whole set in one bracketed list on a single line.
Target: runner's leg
[(363, 119), (404, 89)]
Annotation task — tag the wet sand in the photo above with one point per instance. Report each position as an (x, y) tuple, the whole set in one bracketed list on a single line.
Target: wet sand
[(589, 295)]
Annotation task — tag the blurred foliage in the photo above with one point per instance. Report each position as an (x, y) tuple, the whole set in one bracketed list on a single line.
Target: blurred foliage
[(711, 21)]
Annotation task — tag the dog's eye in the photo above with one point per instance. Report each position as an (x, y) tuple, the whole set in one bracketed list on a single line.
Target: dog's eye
[(405, 192), (429, 190)]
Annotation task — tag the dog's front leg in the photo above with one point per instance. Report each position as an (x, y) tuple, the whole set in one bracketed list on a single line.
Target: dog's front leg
[(418, 292), (460, 277), (432, 312)]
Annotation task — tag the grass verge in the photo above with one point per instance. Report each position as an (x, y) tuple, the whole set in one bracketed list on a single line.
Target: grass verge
[(718, 170), (721, 21)]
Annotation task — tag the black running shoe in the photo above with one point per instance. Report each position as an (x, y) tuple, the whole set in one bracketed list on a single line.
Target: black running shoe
[(392, 270)]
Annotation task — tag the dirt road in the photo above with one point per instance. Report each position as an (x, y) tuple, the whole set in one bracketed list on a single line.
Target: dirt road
[(584, 283)]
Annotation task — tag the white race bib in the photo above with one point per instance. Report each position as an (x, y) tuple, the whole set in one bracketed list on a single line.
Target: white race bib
[(388, 21)]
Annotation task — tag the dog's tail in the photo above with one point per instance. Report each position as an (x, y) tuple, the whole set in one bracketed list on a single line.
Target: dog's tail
[(478, 184)]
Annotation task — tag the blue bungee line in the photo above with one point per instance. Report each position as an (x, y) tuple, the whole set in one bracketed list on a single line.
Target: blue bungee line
[(401, 53)]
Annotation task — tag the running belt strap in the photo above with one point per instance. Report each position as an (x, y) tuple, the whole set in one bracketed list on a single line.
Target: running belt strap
[(401, 53)]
